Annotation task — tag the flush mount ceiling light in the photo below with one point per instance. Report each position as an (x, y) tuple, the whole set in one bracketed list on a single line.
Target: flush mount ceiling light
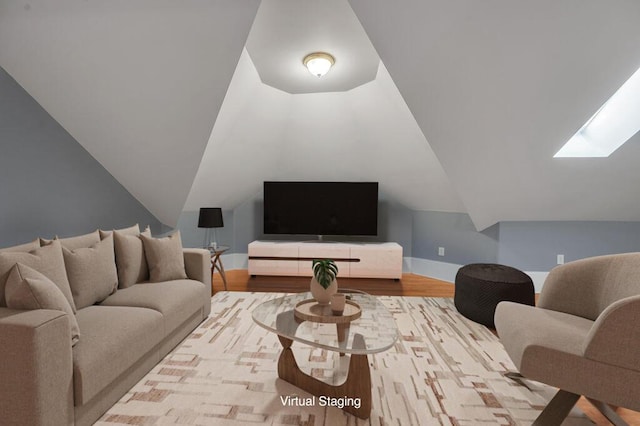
[(611, 126), (318, 63)]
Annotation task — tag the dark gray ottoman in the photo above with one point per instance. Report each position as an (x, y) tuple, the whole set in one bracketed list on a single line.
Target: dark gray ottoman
[(481, 286)]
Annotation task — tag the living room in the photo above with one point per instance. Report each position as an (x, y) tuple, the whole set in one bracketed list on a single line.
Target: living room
[(144, 112)]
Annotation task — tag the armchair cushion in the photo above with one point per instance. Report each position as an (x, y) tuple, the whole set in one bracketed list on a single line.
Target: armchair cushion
[(523, 327)]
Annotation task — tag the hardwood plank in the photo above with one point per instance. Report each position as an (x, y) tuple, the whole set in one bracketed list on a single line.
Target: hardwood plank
[(409, 285)]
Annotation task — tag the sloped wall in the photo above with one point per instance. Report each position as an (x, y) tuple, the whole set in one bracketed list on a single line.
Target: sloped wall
[(49, 184)]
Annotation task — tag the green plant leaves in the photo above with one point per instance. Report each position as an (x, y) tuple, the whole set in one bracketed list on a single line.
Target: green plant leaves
[(325, 271)]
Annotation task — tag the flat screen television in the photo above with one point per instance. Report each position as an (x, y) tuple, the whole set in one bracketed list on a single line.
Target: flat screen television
[(321, 208)]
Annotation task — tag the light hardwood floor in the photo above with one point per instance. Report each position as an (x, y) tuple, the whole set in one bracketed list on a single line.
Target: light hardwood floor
[(409, 285)]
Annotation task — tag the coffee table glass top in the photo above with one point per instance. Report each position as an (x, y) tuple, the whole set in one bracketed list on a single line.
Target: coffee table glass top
[(375, 331)]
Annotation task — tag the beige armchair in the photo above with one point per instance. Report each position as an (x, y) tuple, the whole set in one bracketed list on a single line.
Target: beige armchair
[(583, 337)]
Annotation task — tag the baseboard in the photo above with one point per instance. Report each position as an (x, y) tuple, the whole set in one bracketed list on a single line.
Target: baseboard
[(434, 269), (447, 271), (538, 278), (429, 268)]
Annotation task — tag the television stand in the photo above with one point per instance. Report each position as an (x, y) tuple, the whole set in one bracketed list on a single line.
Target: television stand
[(354, 260)]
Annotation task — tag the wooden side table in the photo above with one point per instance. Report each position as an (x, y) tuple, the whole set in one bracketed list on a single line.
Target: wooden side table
[(216, 264)]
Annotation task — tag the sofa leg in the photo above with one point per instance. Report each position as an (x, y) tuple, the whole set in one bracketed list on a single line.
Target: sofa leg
[(608, 412), (557, 409)]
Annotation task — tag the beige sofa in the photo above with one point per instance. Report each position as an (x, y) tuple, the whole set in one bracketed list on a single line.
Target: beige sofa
[(46, 381)]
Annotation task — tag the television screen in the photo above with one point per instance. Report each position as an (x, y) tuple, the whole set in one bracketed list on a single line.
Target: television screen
[(321, 208)]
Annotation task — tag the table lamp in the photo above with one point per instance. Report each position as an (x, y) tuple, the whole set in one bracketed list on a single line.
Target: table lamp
[(210, 218)]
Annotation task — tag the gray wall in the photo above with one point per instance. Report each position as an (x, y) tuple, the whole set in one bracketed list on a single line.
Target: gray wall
[(534, 246), (244, 224), (49, 184), (192, 236), (457, 234), (530, 246)]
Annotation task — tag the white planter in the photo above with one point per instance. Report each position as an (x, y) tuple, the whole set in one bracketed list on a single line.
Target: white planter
[(323, 295)]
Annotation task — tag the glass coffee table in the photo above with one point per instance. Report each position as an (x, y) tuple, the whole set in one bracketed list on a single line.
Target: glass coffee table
[(374, 331)]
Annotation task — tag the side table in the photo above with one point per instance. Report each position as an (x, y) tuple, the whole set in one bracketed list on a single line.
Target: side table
[(216, 264)]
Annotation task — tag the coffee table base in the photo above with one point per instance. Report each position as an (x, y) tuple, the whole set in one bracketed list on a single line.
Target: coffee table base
[(357, 384)]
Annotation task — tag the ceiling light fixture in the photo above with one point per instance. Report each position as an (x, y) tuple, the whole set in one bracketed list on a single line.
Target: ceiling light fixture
[(318, 63)]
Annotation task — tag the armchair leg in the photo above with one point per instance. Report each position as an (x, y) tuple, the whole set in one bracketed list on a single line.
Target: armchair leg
[(557, 409), (518, 378), (608, 412)]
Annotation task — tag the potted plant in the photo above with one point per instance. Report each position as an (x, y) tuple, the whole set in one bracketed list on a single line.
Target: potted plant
[(323, 282)]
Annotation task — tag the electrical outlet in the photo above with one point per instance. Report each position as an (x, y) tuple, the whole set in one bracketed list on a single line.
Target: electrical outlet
[(440, 251), (560, 259)]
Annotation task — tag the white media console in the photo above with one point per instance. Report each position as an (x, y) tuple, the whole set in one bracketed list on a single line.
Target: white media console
[(355, 260)]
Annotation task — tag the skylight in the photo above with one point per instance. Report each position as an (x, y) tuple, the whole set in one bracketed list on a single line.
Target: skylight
[(611, 126)]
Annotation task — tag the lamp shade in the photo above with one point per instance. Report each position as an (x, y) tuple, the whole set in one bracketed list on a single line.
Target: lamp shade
[(210, 217)]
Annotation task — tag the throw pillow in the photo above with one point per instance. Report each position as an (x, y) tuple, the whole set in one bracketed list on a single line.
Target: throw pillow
[(132, 230), (46, 260), (130, 259), (29, 289), (92, 272), (165, 257), (27, 247), (77, 242)]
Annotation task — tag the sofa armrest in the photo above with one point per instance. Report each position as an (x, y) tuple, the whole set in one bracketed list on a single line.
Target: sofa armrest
[(615, 336), (37, 373), (197, 264)]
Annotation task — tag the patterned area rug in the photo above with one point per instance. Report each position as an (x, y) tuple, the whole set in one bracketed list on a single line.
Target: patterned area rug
[(444, 370)]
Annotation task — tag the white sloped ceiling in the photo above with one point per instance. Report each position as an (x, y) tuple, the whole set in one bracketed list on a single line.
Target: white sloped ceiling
[(278, 122), (499, 86), (138, 83), (365, 134)]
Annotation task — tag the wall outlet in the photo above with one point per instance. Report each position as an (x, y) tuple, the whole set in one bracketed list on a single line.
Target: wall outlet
[(440, 251), (560, 259)]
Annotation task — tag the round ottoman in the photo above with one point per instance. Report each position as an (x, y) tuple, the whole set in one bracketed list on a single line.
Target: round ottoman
[(481, 286)]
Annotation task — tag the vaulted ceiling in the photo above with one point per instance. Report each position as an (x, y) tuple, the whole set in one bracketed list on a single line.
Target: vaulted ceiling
[(137, 83), (499, 86), (462, 110)]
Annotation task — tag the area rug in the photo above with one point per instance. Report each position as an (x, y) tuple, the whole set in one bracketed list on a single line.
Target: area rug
[(443, 370)]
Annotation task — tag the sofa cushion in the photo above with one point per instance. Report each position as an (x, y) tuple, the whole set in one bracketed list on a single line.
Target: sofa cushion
[(27, 247), (176, 300), (130, 259), (113, 340), (92, 272), (47, 260), (164, 257), (28, 289)]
